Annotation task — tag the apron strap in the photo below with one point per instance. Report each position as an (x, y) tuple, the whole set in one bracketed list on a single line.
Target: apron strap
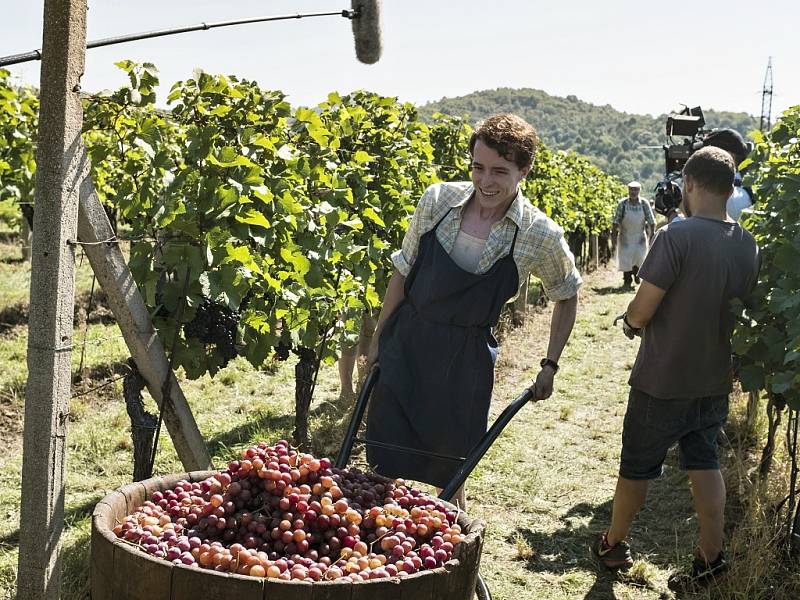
[(513, 242), (413, 274)]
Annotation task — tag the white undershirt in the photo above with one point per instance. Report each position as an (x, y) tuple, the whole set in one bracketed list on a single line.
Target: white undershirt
[(467, 251)]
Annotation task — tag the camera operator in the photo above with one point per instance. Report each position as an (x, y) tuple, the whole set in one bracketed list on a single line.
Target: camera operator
[(741, 199), (682, 375), (632, 221)]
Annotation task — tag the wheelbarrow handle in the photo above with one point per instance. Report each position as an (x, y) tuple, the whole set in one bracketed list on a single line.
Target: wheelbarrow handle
[(483, 445), (469, 463), (358, 415)]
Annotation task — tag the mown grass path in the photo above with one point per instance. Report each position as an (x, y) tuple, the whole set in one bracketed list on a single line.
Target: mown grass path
[(546, 485)]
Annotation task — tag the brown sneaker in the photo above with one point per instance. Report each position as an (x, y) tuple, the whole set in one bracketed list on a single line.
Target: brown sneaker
[(617, 556)]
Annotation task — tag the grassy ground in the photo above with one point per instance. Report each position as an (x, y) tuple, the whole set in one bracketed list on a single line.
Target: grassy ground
[(544, 488)]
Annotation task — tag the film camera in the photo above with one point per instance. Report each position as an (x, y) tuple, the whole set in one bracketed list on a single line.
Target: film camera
[(689, 124)]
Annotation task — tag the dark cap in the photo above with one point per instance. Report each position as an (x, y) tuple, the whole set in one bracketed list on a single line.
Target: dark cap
[(730, 140)]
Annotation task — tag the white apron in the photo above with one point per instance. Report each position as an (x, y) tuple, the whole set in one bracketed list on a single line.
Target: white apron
[(632, 244)]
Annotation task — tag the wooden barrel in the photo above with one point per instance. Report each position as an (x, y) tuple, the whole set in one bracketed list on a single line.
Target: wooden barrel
[(120, 571)]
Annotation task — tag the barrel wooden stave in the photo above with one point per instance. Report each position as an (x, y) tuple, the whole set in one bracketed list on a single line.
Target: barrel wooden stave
[(287, 590), (137, 575), (101, 559), (378, 589), (189, 584)]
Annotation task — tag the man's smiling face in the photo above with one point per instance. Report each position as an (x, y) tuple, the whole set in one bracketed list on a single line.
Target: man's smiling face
[(495, 178)]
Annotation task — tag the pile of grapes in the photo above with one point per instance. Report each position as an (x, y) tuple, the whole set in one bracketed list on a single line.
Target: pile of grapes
[(283, 514)]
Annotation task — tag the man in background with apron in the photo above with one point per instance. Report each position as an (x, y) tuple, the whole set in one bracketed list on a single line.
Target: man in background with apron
[(468, 247), (632, 222)]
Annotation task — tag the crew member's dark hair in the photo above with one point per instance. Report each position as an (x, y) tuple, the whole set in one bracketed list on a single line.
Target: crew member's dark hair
[(730, 140), (712, 169), (510, 136)]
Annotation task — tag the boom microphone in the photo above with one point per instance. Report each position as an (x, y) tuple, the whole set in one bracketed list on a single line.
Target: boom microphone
[(367, 30)]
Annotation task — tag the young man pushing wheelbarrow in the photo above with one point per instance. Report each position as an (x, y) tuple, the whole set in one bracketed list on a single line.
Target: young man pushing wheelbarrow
[(467, 249)]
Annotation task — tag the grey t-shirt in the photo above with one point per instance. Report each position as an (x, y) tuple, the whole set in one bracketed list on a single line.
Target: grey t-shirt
[(686, 348)]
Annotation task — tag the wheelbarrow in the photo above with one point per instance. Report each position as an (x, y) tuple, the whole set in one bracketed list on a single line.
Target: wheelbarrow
[(467, 464)]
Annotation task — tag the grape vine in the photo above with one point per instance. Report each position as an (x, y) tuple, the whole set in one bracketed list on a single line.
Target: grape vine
[(295, 210)]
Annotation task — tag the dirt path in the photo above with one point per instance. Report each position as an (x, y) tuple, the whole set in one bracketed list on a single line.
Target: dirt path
[(546, 485)]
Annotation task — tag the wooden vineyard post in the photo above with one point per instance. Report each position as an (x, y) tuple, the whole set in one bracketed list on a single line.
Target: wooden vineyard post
[(595, 242), (61, 181), (52, 299), (130, 310)]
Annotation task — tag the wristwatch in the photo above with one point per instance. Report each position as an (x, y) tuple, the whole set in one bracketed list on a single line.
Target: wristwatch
[(546, 362)]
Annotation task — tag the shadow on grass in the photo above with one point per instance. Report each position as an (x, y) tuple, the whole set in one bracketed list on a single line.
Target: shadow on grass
[(72, 515), (12, 410), (13, 316), (612, 289), (16, 315), (12, 260), (9, 237), (75, 584), (667, 515), (98, 374), (568, 548), (277, 425)]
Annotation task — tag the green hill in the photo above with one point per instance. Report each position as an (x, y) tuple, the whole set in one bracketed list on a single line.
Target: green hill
[(611, 139)]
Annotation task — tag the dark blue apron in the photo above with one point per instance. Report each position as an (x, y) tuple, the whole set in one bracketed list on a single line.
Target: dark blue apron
[(437, 356)]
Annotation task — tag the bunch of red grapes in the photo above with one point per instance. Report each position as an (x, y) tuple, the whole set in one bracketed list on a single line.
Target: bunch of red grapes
[(284, 514)]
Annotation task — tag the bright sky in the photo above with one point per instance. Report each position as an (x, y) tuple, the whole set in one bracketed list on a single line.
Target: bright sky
[(640, 56)]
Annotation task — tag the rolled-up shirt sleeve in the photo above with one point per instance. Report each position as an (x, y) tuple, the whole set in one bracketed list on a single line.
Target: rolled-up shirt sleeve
[(404, 258), (553, 262)]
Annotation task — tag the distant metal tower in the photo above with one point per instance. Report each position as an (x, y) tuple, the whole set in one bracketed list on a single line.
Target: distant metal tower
[(766, 99)]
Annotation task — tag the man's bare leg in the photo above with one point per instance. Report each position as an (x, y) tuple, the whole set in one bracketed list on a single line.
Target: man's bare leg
[(347, 361), (628, 500), (708, 493)]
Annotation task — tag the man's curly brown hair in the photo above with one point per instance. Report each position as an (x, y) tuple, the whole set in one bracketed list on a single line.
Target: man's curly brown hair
[(510, 136)]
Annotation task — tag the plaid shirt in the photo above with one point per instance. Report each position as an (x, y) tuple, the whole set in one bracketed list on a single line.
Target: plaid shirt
[(626, 204), (540, 248)]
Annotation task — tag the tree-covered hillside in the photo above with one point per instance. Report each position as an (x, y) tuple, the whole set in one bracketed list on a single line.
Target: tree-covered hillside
[(615, 141)]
